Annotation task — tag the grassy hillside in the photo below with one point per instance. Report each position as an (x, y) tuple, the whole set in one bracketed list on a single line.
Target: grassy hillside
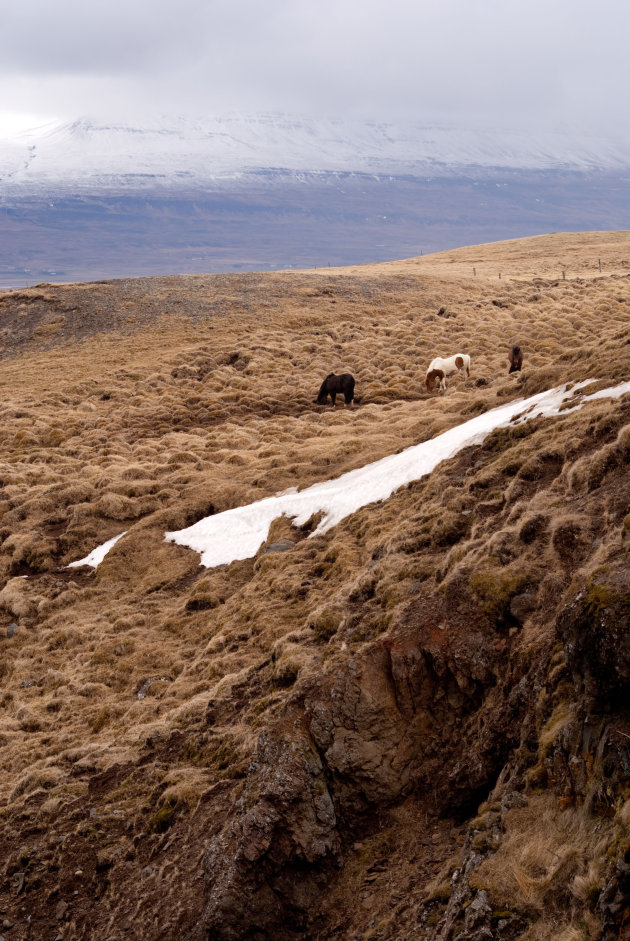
[(413, 725)]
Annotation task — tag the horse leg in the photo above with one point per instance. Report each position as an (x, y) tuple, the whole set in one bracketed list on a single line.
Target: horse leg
[(333, 397)]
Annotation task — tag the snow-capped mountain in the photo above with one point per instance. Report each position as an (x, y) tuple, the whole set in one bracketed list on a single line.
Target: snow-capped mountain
[(86, 156), (86, 199)]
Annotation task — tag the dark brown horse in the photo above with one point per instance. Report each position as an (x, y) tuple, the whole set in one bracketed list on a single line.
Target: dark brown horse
[(333, 384), (516, 359)]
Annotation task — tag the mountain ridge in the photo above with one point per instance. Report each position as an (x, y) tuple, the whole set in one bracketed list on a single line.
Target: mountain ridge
[(86, 155)]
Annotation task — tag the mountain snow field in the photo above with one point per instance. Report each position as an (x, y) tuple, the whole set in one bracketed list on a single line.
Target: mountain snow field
[(86, 156)]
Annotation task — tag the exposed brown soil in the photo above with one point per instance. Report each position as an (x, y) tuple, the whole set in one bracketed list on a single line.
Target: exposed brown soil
[(414, 726)]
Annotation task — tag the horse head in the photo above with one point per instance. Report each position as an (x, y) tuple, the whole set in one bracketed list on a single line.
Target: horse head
[(435, 375)]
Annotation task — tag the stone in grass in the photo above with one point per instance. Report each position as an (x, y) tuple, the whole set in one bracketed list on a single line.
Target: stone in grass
[(283, 545)]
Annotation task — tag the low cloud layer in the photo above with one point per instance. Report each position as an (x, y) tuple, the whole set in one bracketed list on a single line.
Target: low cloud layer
[(493, 63)]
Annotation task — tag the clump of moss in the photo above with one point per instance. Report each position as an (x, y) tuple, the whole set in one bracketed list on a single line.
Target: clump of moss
[(600, 597), (568, 538), (196, 751), (227, 759), (325, 623), (597, 599), (593, 895), (225, 753), (450, 529), (496, 590), (533, 527), (163, 818)]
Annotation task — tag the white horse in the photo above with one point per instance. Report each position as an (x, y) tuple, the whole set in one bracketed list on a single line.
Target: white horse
[(440, 368)]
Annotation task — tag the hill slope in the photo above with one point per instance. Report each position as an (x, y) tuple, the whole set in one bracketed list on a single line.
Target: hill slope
[(414, 725)]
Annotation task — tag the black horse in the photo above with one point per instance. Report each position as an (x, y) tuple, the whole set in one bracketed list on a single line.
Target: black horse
[(516, 359), (333, 384)]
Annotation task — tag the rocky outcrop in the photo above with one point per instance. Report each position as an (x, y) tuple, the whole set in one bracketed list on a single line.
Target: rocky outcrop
[(267, 868), (595, 631), (583, 751), (403, 714), (389, 718), (436, 707), (614, 901)]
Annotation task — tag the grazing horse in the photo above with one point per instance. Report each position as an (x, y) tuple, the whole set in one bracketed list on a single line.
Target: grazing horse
[(516, 359), (440, 368), (333, 384)]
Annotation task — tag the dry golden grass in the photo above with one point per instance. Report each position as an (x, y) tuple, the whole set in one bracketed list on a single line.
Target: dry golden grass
[(551, 865), (144, 406)]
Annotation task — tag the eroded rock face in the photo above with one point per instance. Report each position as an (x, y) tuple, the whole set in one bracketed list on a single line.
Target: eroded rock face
[(614, 901), (266, 869), (402, 714), (387, 718), (435, 708), (595, 631)]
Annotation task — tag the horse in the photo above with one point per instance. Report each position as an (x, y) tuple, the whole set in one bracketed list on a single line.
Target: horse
[(333, 384), (440, 368), (516, 359)]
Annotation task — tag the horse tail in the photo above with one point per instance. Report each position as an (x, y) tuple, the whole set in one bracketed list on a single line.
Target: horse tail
[(349, 391)]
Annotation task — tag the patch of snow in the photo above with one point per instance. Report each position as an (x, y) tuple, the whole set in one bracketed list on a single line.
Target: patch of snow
[(613, 393), (240, 532), (97, 555)]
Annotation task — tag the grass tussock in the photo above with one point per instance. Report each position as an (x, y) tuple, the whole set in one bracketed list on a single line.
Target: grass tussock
[(550, 867)]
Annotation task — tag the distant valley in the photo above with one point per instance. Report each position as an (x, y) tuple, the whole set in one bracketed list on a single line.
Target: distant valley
[(85, 202)]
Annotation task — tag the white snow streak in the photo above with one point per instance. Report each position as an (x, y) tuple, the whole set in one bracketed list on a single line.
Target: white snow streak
[(97, 555), (239, 533)]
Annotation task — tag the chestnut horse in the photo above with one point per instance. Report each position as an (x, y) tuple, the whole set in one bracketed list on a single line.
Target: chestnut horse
[(333, 384)]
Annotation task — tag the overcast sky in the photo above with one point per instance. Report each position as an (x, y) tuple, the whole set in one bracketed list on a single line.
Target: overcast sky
[(504, 63)]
